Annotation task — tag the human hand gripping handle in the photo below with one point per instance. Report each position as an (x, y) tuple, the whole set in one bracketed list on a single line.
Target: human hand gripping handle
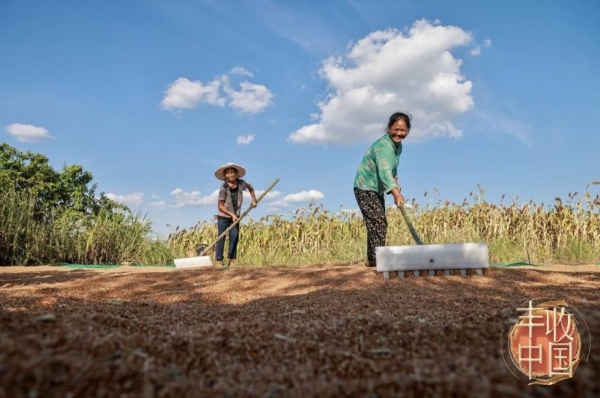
[(396, 193), (398, 198)]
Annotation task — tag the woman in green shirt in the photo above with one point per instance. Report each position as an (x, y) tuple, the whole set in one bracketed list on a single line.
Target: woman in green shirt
[(377, 176)]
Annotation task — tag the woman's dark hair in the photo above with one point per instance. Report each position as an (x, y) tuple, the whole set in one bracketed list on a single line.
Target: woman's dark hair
[(399, 116)]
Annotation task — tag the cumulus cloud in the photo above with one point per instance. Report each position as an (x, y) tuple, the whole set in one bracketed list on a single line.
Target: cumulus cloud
[(269, 196), (349, 212), (389, 71), (251, 98), (303, 196), (27, 132), (191, 199), (245, 140), (295, 198), (186, 94), (178, 198), (132, 199), (476, 51), (239, 70)]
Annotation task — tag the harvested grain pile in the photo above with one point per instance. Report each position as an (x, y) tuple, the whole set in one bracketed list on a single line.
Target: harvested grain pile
[(319, 331)]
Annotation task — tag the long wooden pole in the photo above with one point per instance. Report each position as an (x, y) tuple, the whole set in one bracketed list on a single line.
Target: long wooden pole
[(411, 228), (262, 195)]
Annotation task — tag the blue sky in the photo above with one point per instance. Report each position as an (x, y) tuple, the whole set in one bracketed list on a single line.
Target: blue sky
[(153, 96)]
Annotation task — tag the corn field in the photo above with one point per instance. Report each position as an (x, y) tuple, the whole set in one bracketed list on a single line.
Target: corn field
[(566, 232)]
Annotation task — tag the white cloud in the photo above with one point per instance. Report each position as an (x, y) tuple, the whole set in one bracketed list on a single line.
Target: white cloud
[(252, 98), (180, 199), (388, 71), (27, 132), (475, 51), (349, 212), (269, 196), (191, 199), (245, 140), (186, 94), (304, 196), (239, 70), (132, 199)]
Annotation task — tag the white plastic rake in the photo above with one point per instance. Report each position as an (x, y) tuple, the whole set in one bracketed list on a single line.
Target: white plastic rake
[(422, 257)]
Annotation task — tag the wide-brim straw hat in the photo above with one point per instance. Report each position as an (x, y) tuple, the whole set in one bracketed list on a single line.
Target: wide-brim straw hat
[(220, 173)]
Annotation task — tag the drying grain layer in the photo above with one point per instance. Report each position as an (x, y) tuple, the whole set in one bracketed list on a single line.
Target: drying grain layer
[(318, 331)]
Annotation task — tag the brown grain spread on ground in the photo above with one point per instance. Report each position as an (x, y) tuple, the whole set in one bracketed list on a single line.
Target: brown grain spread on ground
[(318, 331)]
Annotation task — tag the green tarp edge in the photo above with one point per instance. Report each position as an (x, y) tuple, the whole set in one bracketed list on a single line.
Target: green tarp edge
[(111, 266), (517, 264)]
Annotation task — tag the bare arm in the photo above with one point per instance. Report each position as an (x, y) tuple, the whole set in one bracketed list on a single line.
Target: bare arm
[(252, 194)]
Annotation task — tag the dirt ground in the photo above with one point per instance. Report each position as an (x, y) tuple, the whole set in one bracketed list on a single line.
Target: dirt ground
[(318, 331)]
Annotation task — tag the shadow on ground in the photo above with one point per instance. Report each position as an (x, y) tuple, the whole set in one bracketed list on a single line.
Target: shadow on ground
[(268, 332)]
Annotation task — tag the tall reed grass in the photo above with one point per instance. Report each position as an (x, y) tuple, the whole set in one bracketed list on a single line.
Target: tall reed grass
[(566, 231), (109, 237)]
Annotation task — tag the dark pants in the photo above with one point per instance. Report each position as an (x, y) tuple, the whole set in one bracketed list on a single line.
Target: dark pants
[(372, 207), (234, 233)]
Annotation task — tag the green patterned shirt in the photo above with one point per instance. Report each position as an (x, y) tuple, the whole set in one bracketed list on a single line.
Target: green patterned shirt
[(379, 166)]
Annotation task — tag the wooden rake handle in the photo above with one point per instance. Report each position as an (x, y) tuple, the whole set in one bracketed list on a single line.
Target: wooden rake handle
[(262, 195), (411, 228)]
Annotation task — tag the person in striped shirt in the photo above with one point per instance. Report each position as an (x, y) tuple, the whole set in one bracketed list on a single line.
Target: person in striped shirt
[(230, 206), (377, 175)]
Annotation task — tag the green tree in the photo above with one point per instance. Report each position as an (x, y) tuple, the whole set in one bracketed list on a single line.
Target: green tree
[(49, 216), (54, 192)]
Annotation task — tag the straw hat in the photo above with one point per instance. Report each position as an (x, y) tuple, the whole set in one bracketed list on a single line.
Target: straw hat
[(220, 173)]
